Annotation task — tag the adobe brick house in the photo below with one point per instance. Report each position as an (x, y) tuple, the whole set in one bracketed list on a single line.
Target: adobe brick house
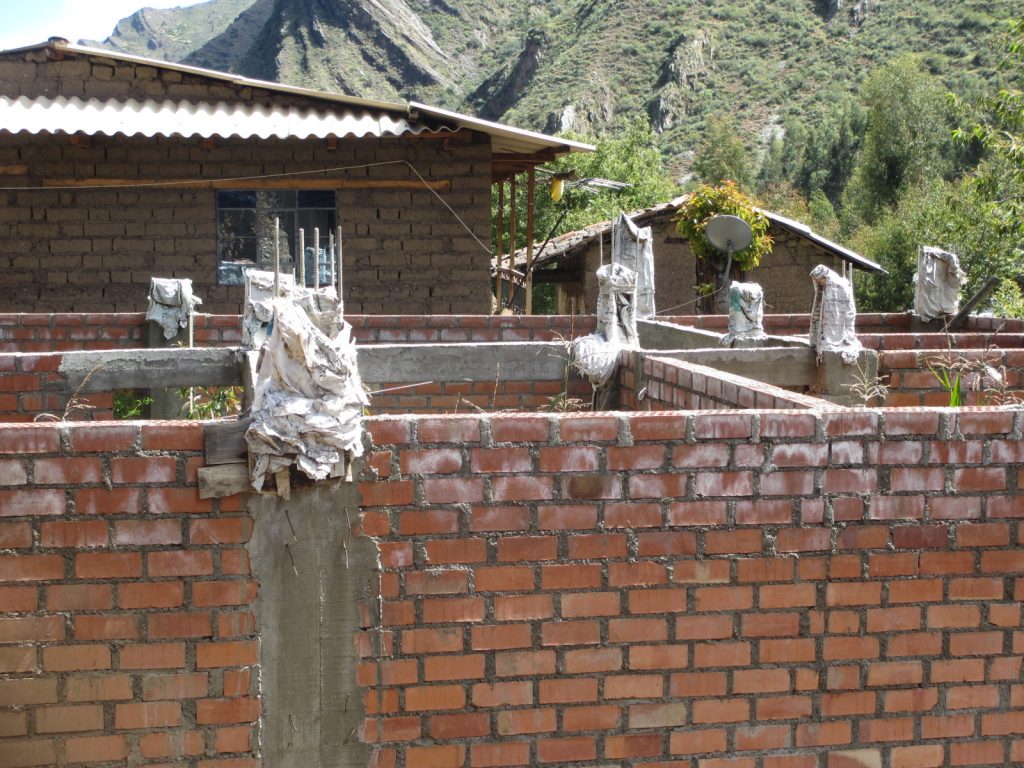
[(116, 168), (783, 274)]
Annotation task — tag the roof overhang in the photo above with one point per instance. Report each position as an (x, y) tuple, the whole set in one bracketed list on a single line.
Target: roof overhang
[(328, 115)]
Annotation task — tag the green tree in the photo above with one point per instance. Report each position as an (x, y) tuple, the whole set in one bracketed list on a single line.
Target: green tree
[(995, 188), (906, 141), (722, 155)]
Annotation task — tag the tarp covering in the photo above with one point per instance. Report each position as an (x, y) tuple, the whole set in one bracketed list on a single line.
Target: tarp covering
[(833, 315), (596, 355), (746, 312), (937, 283), (309, 399), (171, 304), (633, 247)]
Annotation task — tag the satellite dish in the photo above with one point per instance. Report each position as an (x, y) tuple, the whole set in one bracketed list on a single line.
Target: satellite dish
[(728, 233)]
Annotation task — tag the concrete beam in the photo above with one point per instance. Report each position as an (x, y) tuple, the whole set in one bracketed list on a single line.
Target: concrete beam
[(106, 371), (412, 363), (659, 335), (780, 366)]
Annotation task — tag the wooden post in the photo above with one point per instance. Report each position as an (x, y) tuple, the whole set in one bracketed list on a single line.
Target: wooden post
[(302, 258), (499, 246), (531, 190), (511, 233)]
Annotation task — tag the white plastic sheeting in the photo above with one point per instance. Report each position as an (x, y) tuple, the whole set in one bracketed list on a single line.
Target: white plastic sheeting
[(937, 283), (309, 399), (633, 247), (596, 355), (746, 312), (171, 304), (833, 315)]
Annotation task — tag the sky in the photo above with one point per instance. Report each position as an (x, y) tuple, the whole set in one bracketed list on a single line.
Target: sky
[(26, 22)]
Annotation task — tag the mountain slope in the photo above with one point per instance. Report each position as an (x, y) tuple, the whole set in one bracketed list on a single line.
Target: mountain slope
[(580, 64)]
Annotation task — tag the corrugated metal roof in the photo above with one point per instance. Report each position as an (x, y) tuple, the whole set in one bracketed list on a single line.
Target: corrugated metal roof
[(566, 244), (504, 138), (181, 118)]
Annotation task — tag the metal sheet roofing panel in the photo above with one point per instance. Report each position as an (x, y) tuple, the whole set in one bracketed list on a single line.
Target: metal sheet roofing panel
[(109, 117)]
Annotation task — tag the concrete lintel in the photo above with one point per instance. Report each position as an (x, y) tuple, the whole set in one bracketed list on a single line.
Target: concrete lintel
[(779, 366), (104, 371), (507, 361)]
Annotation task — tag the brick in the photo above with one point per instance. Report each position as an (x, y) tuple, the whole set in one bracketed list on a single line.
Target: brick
[(508, 694), (485, 519), (26, 692), (73, 718), (73, 658), (100, 501), (153, 656), (437, 582), (523, 721), (499, 755), (163, 594), (579, 689), (570, 749), (435, 697), (456, 726), (451, 551), (226, 711), (587, 660), (224, 530), (37, 629), (518, 664), (67, 471), (90, 688), (146, 715), (32, 502)]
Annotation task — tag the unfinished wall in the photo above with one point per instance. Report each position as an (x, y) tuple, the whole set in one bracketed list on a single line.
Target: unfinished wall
[(782, 589), (94, 250), (649, 383), (64, 332), (126, 635)]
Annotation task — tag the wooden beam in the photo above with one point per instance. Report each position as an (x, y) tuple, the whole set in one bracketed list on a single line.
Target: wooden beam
[(441, 185), (224, 480), (225, 441), (516, 158), (13, 170)]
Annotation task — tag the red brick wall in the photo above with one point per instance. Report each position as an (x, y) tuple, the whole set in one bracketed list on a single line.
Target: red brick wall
[(911, 383), (732, 590), (32, 388), (418, 329), (125, 631), (127, 330), (673, 385), (475, 396)]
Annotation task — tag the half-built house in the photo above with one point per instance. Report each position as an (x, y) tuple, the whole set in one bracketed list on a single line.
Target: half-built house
[(570, 262), (116, 168)]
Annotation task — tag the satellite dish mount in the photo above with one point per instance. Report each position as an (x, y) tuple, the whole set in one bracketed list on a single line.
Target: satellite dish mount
[(728, 234)]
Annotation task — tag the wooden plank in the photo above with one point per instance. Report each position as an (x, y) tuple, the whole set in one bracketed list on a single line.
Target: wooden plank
[(224, 480), (225, 442), (441, 185), (13, 170)]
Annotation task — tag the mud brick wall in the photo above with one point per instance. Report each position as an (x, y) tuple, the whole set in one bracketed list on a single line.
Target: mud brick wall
[(672, 385), (911, 383), (94, 250), (751, 590), (125, 632)]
